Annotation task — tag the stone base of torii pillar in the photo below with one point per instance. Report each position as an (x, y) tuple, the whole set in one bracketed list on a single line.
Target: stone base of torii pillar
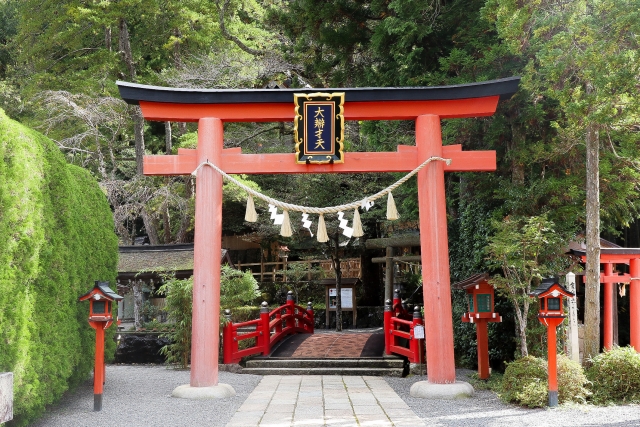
[(219, 391), (427, 390)]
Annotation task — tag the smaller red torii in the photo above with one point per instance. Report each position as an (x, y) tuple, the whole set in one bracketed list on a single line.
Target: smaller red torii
[(609, 257)]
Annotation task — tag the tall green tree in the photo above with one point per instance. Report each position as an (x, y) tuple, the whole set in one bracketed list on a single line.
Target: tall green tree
[(583, 55)]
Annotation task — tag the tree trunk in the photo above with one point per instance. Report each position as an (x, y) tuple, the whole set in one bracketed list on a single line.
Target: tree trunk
[(521, 324), (138, 129), (182, 129), (138, 301), (166, 224), (107, 38), (185, 220), (517, 167), (592, 270), (522, 333), (167, 137), (123, 233), (150, 227), (136, 114)]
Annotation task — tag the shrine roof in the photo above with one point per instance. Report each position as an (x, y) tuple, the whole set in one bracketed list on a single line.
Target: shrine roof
[(470, 281), (140, 261), (133, 93), (580, 245), (546, 285), (610, 251), (105, 289)]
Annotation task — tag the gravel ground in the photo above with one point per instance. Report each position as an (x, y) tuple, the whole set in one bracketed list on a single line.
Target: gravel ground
[(486, 409), (139, 395)]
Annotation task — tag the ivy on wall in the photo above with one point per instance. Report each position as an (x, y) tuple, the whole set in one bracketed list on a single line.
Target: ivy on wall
[(56, 239)]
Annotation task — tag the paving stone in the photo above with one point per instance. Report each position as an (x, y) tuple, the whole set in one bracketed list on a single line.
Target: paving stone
[(288, 408)]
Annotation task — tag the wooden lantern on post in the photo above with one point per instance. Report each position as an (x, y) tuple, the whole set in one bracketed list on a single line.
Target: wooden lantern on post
[(551, 314), (100, 318), (480, 299)]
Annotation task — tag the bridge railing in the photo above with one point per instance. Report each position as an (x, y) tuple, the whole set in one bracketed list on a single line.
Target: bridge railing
[(399, 328), (271, 327)]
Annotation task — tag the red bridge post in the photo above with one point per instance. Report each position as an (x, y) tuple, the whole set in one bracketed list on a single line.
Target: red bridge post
[(415, 348), (387, 327), (311, 317), (227, 338), (266, 329), (291, 321)]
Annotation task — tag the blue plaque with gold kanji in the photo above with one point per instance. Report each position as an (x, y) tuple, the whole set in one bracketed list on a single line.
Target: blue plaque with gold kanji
[(318, 127)]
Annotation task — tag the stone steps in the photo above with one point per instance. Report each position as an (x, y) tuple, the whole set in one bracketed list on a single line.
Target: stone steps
[(374, 366)]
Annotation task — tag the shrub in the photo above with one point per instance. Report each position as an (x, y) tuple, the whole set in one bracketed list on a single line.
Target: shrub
[(572, 381), (236, 288), (179, 306), (615, 376), (525, 382)]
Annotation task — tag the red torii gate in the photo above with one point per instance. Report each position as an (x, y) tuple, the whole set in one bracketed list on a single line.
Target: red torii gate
[(609, 257), (426, 105)]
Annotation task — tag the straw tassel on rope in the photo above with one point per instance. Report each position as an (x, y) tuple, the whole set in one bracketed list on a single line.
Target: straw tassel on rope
[(322, 230), (285, 230), (392, 212), (250, 215), (357, 225)]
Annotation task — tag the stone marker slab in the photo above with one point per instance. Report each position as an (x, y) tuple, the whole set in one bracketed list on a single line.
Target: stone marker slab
[(6, 396)]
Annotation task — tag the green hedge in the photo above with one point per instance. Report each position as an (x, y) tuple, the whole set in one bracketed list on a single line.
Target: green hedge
[(56, 239)]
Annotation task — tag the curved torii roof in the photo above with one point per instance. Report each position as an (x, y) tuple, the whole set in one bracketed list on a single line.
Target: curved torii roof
[(389, 103)]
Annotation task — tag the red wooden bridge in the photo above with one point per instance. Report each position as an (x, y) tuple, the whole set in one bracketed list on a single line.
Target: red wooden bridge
[(262, 335)]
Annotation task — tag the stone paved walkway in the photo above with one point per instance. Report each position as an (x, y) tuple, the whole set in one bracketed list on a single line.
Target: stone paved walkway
[(286, 401)]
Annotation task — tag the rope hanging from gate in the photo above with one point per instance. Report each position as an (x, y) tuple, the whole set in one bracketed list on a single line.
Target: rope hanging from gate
[(355, 231)]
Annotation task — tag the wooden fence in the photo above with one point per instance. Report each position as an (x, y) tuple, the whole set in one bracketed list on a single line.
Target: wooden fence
[(272, 271)]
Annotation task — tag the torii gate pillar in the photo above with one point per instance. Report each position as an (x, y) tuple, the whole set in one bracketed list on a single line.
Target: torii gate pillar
[(435, 253), (205, 332), (436, 281), (207, 247)]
